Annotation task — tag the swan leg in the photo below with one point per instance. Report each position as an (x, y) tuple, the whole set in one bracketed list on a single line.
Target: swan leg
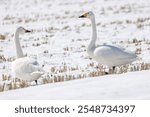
[(106, 73), (36, 82), (114, 67)]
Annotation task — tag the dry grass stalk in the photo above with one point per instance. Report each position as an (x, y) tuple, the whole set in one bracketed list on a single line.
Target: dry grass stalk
[(2, 37), (2, 58), (97, 71)]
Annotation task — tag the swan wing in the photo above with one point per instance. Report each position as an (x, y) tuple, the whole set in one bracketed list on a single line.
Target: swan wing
[(112, 45), (112, 55), (120, 53), (115, 50), (25, 65), (33, 66), (27, 69)]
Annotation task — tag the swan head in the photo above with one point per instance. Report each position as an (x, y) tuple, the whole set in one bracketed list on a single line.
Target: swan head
[(22, 30), (88, 15)]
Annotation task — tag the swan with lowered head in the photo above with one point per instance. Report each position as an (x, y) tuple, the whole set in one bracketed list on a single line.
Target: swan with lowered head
[(105, 54), (25, 68)]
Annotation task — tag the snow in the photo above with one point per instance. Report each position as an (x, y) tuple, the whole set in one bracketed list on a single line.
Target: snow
[(56, 26), (59, 37), (133, 85)]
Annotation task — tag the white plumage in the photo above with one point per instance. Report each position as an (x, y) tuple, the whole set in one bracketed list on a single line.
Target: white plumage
[(25, 68), (106, 54), (113, 56)]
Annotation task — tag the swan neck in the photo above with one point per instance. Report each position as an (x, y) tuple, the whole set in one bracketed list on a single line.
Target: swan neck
[(19, 52), (94, 34)]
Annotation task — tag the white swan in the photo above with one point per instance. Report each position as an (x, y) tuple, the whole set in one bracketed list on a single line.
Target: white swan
[(25, 68), (108, 55)]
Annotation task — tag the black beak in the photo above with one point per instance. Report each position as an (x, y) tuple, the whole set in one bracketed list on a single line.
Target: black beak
[(82, 16), (27, 31)]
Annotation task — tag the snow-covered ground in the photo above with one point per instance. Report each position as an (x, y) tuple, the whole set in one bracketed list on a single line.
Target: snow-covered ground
[(134, 85), (59, 38)]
